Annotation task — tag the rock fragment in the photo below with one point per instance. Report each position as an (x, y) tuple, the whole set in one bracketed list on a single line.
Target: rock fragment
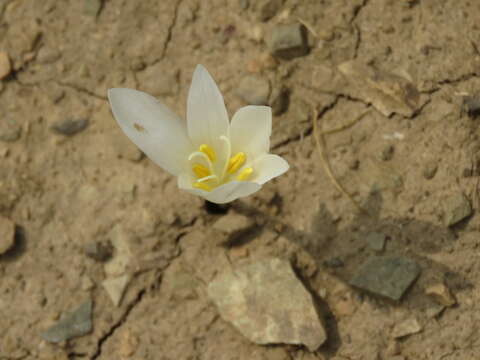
[(267, 303), (70, 126), (100, 251), (389, 276), (441, 294), (387, 92), (7, 234), (406, 327), (5, 65), (288, 41), (254, 90), (457, 207), (376, 241), (116, 287), (75, 324)]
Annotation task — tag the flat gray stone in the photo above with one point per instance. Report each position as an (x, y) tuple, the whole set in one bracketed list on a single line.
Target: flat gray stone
[(75, 324), (268, 304), (288, 41), (70, 126), (457, 207), (388, 276)]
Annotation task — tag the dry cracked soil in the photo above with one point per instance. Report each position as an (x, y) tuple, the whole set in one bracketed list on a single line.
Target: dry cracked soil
[(88, 207)]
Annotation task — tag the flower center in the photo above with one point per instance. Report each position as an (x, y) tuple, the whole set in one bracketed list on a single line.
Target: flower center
[(212, 170)]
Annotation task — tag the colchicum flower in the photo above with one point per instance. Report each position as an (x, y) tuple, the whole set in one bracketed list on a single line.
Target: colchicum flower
[(211, 157)]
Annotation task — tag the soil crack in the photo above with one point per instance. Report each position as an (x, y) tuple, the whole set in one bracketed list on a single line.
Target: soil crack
[(119, 323)]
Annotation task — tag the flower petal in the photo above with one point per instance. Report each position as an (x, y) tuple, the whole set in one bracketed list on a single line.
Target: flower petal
[(153, 127), (222, 194), (268, 167), (250, 131), (207, 116)]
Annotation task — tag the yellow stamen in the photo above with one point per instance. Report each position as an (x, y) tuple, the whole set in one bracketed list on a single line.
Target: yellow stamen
[(208, 150), (202, 186), (245, 174), (236, 162), (200, 170)]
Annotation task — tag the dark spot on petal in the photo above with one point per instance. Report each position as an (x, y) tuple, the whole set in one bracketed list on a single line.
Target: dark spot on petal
[(138, 127)]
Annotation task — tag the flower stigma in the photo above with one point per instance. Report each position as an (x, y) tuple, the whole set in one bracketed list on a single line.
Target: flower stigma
[(211, 171)]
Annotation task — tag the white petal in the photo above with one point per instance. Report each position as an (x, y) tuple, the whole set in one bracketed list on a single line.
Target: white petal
[(222, 194), (268, 167), (153, 127), (231, 191), (250, 131), (207, 116)]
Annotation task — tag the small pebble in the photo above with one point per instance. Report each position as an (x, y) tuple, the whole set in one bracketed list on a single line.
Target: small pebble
[(472, 105), (7, 234), (387, 153), (457, 208), (70, 126), (441, 294), (268, 9), (376, 241), (288, 41), (434, 311), (254, 90), (430, 170), (405, 328), (5, 65), (100, 251)]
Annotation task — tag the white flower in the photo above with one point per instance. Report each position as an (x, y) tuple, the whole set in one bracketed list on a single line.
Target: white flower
[(211, 157)]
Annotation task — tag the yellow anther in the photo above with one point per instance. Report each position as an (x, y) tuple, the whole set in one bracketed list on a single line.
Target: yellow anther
[(245, 174), (208, 150), (236, 162), (200, 170), (202, 186)]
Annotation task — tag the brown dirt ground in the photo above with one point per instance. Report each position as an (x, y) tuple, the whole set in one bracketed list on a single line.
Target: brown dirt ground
[(66, 192)]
